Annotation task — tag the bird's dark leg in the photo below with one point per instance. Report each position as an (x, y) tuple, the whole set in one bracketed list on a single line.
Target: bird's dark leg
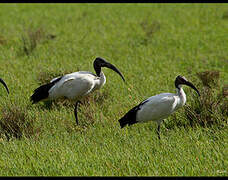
[(75, 112), (158, 131)]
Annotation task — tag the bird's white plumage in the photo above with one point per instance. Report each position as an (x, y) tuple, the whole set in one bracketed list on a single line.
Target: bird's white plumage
[(76, 85), (158, 107)]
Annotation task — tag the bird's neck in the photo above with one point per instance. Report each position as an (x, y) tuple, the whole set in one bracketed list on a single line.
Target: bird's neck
[(100, 81), (102, 78), (181, 94)]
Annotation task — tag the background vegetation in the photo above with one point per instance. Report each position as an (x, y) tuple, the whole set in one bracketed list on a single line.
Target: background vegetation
[(151, 44)]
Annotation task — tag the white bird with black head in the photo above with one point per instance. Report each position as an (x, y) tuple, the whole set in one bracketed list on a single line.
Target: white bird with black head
[(75, 85), (4, 84), (158, 107)]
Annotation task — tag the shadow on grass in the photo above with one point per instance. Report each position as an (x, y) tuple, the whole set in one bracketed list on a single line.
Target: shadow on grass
[(86, 112), (31, 38), (225, 15), (149, 28), (15, 122), (2, 40), (96, 97)]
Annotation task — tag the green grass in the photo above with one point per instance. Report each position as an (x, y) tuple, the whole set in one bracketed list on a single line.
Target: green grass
[(151, 44)]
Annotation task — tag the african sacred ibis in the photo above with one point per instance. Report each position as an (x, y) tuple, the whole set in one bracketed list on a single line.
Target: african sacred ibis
[(75, 85), (158, 107), (4, 84)]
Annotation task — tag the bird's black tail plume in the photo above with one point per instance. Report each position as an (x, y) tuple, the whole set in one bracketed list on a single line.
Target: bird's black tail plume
[(129, 118), (42, 92), (123, 122)]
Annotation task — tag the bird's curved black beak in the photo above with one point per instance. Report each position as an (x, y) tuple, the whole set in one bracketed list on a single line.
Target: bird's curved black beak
[(4, 84), (192, 86), (110, 66)]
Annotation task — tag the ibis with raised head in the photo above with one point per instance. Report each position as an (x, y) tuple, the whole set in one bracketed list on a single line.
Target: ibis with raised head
[(4, 84), (157, 108), (75, 85)]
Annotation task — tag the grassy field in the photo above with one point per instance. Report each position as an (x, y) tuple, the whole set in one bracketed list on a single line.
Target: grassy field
[(150, 44)]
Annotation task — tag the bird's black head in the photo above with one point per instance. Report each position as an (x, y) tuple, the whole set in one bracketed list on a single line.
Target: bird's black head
[(100, 62), (4, 84), (181, 80)]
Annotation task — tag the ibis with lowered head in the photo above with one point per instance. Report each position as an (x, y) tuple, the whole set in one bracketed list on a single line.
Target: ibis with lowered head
[(4, 84), (157, 108), (75, 85)]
